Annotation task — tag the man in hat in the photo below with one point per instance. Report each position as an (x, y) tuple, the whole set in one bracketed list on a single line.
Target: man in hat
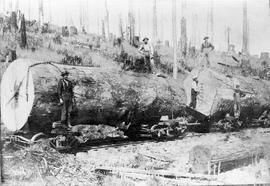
[(65, 93), (147, 50), (194, 92), (206, 48)]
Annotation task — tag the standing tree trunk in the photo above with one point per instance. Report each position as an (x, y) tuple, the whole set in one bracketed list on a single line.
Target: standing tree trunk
[(154, 22), (13, 21), (107, 21), (103, 30), (121, 31), (183, 37), (23, 33), (245, 29), (174, 37)]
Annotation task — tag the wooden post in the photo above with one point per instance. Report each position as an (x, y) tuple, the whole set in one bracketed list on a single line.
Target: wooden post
[(174, 38), (245, 28), (154, 22)]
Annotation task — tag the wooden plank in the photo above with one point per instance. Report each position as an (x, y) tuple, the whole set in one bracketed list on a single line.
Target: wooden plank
[(162, 173)]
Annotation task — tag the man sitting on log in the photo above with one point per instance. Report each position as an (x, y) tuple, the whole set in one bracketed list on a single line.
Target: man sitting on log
[(147, 50), (194, 92), (66, 96), (206, 48)]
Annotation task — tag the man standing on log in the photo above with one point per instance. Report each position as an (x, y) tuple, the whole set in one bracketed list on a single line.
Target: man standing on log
[(66, 96), (147, 50), (206, 48), (194, 92)]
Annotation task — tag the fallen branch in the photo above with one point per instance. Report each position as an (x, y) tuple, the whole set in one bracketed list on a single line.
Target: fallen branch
[(155, 158), (160, 173)]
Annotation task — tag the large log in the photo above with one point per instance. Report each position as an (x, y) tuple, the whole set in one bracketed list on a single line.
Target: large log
[(223, 157), (216, 94), (102, 95)]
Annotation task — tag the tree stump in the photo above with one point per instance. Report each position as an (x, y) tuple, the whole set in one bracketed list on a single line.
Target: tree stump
[(199, 158)]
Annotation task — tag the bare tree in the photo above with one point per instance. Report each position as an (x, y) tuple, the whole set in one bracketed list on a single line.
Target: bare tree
[(107, 20), (103, 30), (154, 21), (23, 43), (174, 38), (121, 31), (245, 28), (40, 12)]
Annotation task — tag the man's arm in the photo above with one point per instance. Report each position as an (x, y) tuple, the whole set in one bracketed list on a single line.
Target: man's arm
[(212, 46), (151, 51), (202, 47), (140, 48)]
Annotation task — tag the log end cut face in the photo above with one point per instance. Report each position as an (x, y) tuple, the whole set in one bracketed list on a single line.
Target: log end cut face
[(17, 94)]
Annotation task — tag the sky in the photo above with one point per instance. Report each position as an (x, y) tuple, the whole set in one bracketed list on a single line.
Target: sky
[(227, 13)]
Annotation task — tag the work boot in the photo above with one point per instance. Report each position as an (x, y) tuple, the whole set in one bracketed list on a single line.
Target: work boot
[(69, 124)]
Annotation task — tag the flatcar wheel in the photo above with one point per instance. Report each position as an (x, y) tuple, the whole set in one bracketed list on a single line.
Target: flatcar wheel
[(266, 123), (178, 132), (158, 131), (154, 131)]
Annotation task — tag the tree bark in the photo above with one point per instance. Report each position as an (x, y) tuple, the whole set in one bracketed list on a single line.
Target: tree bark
[(103, 96)]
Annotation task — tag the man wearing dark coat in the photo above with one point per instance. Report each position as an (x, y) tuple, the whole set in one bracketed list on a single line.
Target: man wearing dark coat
[(66, 95), (194, 93)]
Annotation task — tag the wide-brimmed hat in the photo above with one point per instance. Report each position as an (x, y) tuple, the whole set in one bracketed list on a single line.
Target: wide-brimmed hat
[(206, 37), (146, 38), (64, 73)]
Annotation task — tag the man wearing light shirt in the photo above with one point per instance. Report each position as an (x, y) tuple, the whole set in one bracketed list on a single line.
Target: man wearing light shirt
[(147, 50)]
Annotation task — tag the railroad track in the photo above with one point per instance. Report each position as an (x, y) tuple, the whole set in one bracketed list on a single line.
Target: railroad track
[(121, 142)]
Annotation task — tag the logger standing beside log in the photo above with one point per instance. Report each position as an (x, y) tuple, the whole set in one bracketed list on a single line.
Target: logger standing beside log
[(206, 48), (194, 92), (66, 98), (147, 50), (236, 97)]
